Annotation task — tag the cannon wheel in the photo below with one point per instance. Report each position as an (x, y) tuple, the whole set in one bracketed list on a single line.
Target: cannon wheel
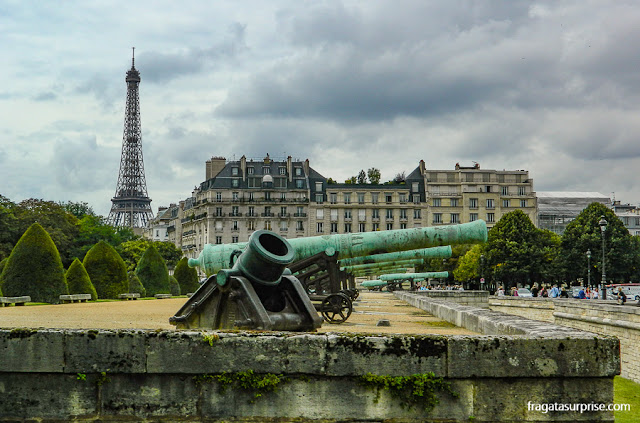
[(336, 308)]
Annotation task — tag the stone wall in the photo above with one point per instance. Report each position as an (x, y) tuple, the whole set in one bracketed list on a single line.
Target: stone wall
[(472, 298), (138, 375), (531, 308)]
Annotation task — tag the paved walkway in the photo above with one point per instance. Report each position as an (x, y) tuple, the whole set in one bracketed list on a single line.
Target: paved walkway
[(369, 308)]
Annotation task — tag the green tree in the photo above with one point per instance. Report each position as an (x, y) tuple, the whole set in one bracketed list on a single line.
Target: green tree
[(132, 251), (93, 229), (584, 233), (34, 268), (374, 175), (78, 280), (135, 286), (10, 225), (153, 272), (186, 276), (469, 264), (174, 286), (79, 210), (351, 180), (517, 252), (362, 177), (107, 270)]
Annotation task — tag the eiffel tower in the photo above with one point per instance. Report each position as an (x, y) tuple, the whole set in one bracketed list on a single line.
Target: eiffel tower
[(131, 206)]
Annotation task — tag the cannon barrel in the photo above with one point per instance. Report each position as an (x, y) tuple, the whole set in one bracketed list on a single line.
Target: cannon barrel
[(383, 265), (422, 253), (374, 283), (216, 257), (379, 272), (404, 276)]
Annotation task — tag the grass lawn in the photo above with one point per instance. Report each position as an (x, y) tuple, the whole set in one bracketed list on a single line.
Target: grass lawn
[(626, 392)]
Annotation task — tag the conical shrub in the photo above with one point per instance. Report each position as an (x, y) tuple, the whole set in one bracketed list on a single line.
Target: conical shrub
[(34, 268), (174, 286), (2, 263), (78, 280), (186, 276), (153, 273), (107, 270), (135, 286)]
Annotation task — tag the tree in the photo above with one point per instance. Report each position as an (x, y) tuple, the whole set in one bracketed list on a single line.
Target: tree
[(34, 268), (186, 276), (583, 233), (362, 177), (132, 251), (374, 175), (10, 232), (174, 286), (351, 180), (79, 210), (93, 229), (469, 264), (153, 273), (107, 270), (135, 286), (330, 181), (516, 252), (400, 178), (78, 280)]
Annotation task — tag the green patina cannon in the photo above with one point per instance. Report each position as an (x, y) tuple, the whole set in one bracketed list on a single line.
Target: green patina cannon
[(341, 246), (257, 293), (394, 280), (422, 253), (383, 265)]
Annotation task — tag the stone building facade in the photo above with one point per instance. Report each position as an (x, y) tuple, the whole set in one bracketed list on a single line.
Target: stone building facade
[(294, 200)]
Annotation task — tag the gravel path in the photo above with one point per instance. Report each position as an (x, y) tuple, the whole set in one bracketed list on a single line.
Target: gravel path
[(369, 308)]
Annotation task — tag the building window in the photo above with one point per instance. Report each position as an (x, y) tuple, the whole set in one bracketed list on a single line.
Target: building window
[(375, 213), (487, 188), (403, 226), (389, 226), (473, 203), (235, 183), (374, 198), (251, 196), (234, 211), (455, 218), (473, 217), (218, 226), (403, 213), (347, 214), (267, 225), (283, 196), (298, 171), (361, 198), (375, 227), (389, 213), (234, 171), (318, 186), (282, 170), (334, 214), (523, 203), (235, 196), (251, 225), (252, 211), (250, 170), (468, 177), (402, 197), (417, 214), (234, 226), (491, 217), (319, 198), (299, 183), (283, 212), (347, 228), (234, 238), (334, 228), (218, 197), (388, 197), (283, 225), (506, 203), (361, 227), (415, 186), (333, 198), (319, 213), (505, 190), (300, 211), (267, 196), (218, 240), (266, 170), (218, 211), (362, 215), (347, 198), (437, 218), (522, 191), (437, 202), (416, 198), (453, 202), (319, 227), (490, 204)]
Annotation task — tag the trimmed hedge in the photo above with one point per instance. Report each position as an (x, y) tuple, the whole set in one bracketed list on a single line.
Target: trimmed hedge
[(107, 271), (174, 286), (153, 273), (186, 276), (34, 268), (135, 286), (78, 280), (2, 263)]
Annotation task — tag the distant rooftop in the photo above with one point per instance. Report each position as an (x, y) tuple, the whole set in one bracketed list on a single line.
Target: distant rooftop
[(570, 194)]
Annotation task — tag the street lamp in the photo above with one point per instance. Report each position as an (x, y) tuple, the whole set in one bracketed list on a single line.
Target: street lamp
[(482, 272), (603, 228), (589, 267)]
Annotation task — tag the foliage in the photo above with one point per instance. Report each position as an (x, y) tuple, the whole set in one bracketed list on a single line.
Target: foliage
[(362, 177), (400, 177), (186, 276), (79, 210), (153, 273), (93, 229), (331, 181), (469, 264), (78, 280), (626, 391), (132, 251), (374, 175), (351, 180), (34, 268), (174, 286), (3, 262), (135, 286), (247, 381), (584, 233), (517, 252), (415, 390), (107, 270)]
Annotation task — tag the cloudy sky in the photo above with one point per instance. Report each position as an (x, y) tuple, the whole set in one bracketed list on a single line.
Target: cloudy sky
[(547, 86)]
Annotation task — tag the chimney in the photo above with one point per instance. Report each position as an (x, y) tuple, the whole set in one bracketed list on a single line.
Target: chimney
[(422, 167), (243, 167), (290, 169), (214, 166)]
